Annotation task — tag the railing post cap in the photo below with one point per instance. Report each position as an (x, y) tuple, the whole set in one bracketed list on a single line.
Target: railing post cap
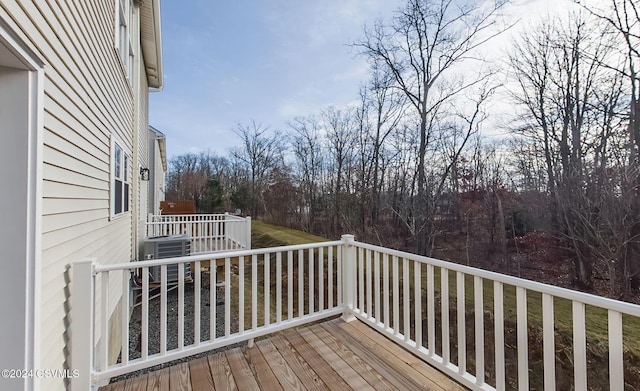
[(85, 261), (348, 238), (83, 266)]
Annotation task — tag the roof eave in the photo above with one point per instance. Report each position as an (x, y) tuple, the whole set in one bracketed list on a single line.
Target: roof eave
[(162, 145), (151, 38)]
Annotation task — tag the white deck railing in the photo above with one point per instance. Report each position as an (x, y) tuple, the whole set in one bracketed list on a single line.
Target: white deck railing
[(208, 232), (389, 287), (257, 300), (271, 289)]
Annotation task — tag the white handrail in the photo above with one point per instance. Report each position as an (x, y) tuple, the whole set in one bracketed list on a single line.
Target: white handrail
[(214, 256)]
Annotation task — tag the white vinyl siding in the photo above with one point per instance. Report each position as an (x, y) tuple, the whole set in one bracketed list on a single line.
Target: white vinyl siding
[(88, 99)]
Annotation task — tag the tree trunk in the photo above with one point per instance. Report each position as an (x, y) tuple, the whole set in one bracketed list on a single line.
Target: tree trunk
[(634, 133), (502, 234), (421, 201)]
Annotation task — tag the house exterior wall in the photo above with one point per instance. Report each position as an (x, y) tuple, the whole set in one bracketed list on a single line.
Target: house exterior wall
[(88, 101), (158, 167), (159, 184), (17, 330), (142, 152)]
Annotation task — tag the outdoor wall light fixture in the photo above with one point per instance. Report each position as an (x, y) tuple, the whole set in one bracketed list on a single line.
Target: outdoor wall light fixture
[(144, 174)]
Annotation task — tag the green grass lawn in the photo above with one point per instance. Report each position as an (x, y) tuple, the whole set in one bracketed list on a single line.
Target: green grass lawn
[(267, 235)]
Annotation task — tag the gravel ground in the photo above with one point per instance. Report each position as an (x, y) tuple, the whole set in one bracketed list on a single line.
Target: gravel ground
[(172, 324)]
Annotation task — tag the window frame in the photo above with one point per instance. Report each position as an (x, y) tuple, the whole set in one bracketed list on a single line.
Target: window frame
[(121, 171), (124, 37)]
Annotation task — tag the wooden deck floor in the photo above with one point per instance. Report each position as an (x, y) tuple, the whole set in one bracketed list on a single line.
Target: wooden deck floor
[(333, 355)]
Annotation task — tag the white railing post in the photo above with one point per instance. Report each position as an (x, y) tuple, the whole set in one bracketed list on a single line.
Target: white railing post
[(348, 277), (149, 227), (226, 224), (82, 324), (247, 242)]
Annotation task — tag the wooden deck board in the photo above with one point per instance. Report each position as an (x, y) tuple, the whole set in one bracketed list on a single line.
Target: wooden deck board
[(332, 355), (328, 375), (201, 374), (119, 386), (221, 372), (261, 369), (426, 371), (179, 377), (300, 367), (350, 376), (382, 363), (138, 383), (400, 359), (285, 372), (158, 380), (245, 379), (374, 378)]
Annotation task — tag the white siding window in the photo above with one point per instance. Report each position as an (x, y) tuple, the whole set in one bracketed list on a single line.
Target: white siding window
[(124, 35), (121, 185)]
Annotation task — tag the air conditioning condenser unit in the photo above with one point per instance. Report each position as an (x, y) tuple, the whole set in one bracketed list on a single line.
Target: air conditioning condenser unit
[(167, 246)]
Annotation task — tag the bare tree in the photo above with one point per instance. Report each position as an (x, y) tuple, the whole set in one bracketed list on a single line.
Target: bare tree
[(527, 166), (401, 178), (363, 161), (307, 147), (571, 101), (260, 153), (624, 17), (185, 180), (388, 106), (200, 178), (340, 132), (422, 45)]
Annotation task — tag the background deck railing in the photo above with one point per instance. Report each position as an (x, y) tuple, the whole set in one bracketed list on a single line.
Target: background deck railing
[(208, 232), (471, 324)]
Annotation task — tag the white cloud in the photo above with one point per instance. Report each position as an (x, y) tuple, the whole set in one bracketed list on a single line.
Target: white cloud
[(233, 62)]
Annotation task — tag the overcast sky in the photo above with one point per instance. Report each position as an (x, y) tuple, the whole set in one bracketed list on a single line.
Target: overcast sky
[(232, 62)]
